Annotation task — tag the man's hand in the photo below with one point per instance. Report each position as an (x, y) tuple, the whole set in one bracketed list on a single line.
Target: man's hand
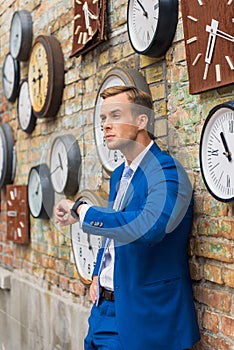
[(93, 289), (62, 212)]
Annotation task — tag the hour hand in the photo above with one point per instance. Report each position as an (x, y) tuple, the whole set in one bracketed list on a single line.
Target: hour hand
[(227, 152)]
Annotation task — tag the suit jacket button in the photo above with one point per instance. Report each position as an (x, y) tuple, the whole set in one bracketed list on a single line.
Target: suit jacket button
[(92, 223), (100, 224)]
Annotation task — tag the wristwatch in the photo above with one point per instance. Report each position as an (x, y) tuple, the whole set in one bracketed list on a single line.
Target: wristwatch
[(75, 207)]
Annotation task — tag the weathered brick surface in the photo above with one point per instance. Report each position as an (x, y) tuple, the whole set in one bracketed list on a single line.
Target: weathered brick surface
[(179, 118)]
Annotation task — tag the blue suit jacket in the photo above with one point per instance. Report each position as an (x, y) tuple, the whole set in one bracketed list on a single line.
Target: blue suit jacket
[(153, 293)]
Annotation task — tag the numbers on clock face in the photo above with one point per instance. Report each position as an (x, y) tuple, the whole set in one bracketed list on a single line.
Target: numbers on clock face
[(218, 154), (59, 166), (38, 73), (143, 20)]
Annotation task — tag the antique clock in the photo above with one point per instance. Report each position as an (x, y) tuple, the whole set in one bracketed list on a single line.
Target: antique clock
[(17, 213), (26, 118), (89, 25), (217, 152), (85, 246), (209, 42), (152, 25), (65, 161), (7, 155), (21, 33), (40, 192), (10, 77), (46, 76), (110, 159)]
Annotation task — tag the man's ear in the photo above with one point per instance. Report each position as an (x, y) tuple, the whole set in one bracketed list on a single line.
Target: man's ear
[(142, 121)]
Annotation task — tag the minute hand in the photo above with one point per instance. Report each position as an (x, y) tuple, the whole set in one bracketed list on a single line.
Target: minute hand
[(220, 33)]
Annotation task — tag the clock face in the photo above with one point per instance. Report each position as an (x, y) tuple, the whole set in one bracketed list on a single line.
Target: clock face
[(85, 246), (7, 155), (15, 36), (39, 76), (10, 77), (26, 117), (217, 152), (65, 161), (209, 42), (152, 25), (35, 193)]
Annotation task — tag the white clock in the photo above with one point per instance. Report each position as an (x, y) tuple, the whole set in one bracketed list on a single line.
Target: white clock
[(85, 246), (27, 120), (217, 152), (10, 77)]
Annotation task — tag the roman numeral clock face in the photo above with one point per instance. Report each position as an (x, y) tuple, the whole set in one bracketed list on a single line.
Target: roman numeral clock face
[(209, 42), (217, 152)]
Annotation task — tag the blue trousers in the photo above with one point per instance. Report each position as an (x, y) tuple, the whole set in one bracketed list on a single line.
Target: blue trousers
[(102, 332)]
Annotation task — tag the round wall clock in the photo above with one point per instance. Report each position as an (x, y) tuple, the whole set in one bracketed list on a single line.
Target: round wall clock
[(217, 152), (26, 118), (110, 159), (209, 43), (46, 76), (40, 192), (152, 25), (10, 77), (21, 35), (65, 161), (85, 246), (7, 155)]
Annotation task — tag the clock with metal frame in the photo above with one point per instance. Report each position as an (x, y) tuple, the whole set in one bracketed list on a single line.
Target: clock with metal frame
[(65, 162), (40, 192), (26, 118), (21, 33), (110, 159), (209, 43), (152, 25), (10, 77), (85, 246), (217, 152), (7, 155)]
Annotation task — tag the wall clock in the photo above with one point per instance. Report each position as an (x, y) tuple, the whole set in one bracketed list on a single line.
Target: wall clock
[(209, 43), (21, 33), (85, 246), (7, 155), (89, 25), (110, 159), (26, 118), (10, 77), (17, 213), (152, 25), (217, 152), (65, 161), (46, 76), (40, 192)]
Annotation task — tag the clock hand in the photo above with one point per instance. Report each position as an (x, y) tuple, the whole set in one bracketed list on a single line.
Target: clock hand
[(220, 33), (37, 188), (6, 78), (57, 167), (210, 46), (227, 153), (90, 246), (60, 161), (85, 9), (144, 11)]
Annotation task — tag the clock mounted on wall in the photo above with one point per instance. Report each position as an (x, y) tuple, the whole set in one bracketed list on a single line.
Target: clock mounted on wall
[(209, 42)]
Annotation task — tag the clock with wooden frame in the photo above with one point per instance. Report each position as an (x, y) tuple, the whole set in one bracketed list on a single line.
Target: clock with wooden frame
[(17, 213), (209, 43), (89, 25)]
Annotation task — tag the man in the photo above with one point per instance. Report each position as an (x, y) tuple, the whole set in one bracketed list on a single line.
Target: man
[(141, 285)]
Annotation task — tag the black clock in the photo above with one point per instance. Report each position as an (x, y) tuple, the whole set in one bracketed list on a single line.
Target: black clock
[(7, 155), (26, 118), (10, 77), (152, 25)]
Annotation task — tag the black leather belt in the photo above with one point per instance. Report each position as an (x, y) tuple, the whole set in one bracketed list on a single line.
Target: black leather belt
[(107, 294)]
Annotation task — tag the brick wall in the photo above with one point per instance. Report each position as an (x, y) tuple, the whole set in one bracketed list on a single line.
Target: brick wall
[(179, 118)]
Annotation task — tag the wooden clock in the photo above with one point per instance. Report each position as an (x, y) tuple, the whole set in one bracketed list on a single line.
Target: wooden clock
[(209, 42), (89, 25), (17, 214)]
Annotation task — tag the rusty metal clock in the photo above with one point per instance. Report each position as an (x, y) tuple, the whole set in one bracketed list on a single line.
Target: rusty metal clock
[(46, 76), (17, 213), (209, 42), (89, 25)]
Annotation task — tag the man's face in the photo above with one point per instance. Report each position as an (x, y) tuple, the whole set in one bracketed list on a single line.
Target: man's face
[(119, 125)]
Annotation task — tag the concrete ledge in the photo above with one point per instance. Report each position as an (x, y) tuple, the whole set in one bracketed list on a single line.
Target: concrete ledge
[(5, 279)]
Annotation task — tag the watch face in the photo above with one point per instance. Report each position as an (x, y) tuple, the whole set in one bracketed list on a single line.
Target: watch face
[(35, 193), (26, 117), (209, 37), (216, 152), (39, 76), (10, 77)]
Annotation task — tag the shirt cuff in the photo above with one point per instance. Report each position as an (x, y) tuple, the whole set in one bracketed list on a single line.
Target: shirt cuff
[(83, 210)]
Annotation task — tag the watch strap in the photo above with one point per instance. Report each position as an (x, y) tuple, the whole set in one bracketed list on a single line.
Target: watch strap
[(75, 207)]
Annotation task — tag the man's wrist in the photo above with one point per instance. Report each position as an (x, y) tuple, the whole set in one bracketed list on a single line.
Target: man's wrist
[(74, 209)]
